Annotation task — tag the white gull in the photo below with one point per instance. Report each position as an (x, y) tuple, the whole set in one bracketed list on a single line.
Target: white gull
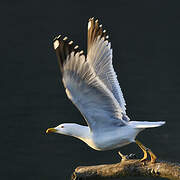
[(91, 84)]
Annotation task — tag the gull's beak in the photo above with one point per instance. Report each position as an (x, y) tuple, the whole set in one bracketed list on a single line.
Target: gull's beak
[(50, 130)]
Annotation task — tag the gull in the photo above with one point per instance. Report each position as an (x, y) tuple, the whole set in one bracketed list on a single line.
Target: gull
[(91, 84)]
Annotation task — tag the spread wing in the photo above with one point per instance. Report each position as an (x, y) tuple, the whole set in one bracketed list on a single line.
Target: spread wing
[(99, 58), (85, 89)]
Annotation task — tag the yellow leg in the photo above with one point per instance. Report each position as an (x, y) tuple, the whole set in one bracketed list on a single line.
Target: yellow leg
[(152, 155), (145, 150)]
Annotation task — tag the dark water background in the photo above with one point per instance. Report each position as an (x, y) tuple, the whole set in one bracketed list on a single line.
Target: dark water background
[(145, 36)]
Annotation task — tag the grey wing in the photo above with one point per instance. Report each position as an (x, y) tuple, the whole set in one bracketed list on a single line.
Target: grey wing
[(96, 103), (100, 58)]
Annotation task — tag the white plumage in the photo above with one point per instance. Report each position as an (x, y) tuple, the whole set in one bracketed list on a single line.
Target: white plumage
[(91, 84)]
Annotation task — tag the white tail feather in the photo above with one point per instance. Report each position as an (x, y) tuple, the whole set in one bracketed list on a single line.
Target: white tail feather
[(146, 124)]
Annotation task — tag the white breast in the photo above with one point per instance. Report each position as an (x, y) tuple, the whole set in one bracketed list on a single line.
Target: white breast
[(106, 140)]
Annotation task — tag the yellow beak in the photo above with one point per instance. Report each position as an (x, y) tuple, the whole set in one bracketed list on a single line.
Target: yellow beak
[(50, 130)]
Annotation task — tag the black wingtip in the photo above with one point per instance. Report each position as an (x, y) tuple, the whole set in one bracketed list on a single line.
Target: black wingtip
[(95, 30), (63, 47), (56, 38)]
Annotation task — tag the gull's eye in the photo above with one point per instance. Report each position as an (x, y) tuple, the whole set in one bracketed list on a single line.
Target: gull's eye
[(62, 126)]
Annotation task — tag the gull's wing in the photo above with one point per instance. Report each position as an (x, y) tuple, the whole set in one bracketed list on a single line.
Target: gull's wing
[(94, 100), (100, 58)]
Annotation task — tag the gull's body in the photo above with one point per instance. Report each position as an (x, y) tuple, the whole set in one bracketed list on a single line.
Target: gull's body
[(109, 139), (91, 84)]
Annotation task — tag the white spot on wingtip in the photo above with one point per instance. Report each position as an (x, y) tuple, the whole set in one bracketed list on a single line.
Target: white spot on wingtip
[(58, 36), (71, 42), (65, 38), (89, 25), (56, 44), (81, 52), (76, 47)]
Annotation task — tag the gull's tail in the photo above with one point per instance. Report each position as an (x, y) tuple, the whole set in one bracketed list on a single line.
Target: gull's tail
[(146, 124)]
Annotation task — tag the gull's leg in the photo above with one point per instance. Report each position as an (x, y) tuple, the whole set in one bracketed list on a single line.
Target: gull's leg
[(123, 157), (145, 150), (152, 155)]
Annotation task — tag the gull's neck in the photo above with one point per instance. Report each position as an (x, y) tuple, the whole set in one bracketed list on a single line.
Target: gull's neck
[(78, 131)]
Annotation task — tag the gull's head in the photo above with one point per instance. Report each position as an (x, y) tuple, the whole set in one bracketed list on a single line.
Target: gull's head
[(72, 129), (61, 129), (65, 128)]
